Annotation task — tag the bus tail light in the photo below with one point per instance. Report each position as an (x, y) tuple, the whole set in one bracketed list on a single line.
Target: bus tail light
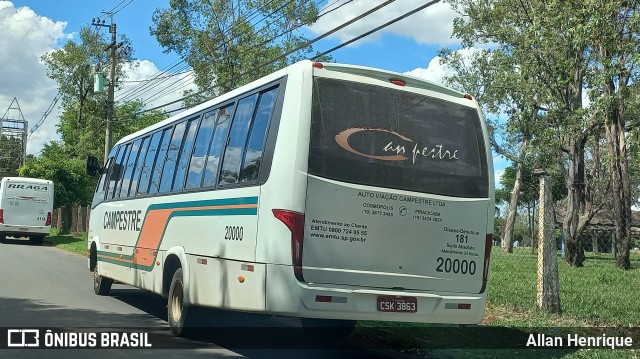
[(398, 82), (487, 253), (468, 96), (1, 216), (295, 222), (48, 222)]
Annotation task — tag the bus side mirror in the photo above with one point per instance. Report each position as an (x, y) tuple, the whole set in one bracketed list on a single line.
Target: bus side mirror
[(93, 166)]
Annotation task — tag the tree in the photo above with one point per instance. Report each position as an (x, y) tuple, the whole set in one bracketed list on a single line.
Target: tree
[(545, 39), (231, 43), (71, 185), (90, 141), (84, 114), (72, 68), (529, 189), (615, 31), (503, 90)]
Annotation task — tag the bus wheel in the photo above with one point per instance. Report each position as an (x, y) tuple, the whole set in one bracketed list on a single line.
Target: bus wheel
[(37, 240), (179, 315), (101, 285)]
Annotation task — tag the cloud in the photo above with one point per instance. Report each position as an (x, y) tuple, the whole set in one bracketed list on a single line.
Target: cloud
[(436, 72), (23, 76), (154, 87), (25, 37), (432, 25)]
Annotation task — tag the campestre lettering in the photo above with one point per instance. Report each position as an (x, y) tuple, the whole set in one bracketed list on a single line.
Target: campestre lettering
[(397, 151), (123, 220)]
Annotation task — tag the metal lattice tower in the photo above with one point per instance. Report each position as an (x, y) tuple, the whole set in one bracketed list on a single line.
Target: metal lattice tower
[(13, 140)]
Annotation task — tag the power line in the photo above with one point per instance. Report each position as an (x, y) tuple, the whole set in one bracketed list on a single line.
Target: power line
[(306, 44), (158, 78), (379, 27), (228, 31), (334, 9), (114, 11), (44, 116), (141, 89), (249, 17), (177, 85)]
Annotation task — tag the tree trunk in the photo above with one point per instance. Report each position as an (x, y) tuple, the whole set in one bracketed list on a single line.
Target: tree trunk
[(507, 238), (621, 195), (574, 251)]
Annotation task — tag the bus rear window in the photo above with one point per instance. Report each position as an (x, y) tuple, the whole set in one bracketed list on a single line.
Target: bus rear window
[(27, 190), (377, 136)]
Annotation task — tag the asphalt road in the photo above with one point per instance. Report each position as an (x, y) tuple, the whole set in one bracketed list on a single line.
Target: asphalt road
[(49, 288)]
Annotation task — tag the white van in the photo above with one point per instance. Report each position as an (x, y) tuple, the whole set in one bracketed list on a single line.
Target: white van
[(26, 205)]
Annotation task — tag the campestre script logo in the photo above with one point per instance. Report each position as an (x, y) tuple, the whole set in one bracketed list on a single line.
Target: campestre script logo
[(397, 149)]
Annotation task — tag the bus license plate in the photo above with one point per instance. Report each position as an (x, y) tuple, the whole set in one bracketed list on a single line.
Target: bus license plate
[(390, 303)]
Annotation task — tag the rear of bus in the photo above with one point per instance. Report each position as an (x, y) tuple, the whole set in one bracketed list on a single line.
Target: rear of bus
[(395, 218), (26, 207)]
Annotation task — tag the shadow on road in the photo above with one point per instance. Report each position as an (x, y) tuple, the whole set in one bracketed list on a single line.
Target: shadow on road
[(258, 336)]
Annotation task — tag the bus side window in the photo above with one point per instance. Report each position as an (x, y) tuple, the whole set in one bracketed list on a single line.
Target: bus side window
[(173, 152), (237, 140), (185, 155), (147, 167), (217, 146), (255, 145), (154, 185), (98, 196), (200, 150), (123, 187), (112, 173), (137, 172), (118, 171)]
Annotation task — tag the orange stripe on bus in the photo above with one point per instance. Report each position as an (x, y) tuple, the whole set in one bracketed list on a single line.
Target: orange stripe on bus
[(155, 224)]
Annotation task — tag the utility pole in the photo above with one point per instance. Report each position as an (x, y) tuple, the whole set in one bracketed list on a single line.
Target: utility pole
[(108, 138)]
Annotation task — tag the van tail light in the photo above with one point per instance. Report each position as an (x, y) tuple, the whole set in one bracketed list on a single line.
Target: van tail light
[(1, 216), (295, 222), (487, 253), (48, 222)]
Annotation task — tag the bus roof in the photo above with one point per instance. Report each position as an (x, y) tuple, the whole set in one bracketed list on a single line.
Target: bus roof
[(26, 179), (301, 66)]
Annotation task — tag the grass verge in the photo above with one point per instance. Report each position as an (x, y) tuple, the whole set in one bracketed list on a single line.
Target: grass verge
[(76, 243)]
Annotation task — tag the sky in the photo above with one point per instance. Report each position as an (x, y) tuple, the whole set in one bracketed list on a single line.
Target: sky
[(34, 27)]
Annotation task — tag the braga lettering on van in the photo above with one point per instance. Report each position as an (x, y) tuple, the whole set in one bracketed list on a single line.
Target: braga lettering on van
[(28, 186)]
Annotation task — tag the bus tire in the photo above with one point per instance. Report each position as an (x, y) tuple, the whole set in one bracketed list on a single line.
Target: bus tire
[(3, 238), (37, 240), (179, 315), (101, 285)]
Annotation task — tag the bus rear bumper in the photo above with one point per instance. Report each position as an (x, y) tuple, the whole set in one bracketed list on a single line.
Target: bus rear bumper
[(287, 296), (23, 231)]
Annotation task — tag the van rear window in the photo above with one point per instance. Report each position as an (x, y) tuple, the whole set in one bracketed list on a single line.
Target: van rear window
[(378, 136)]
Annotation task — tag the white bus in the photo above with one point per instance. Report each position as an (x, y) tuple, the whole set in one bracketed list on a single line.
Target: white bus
[(322, 191), (26, 205)]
